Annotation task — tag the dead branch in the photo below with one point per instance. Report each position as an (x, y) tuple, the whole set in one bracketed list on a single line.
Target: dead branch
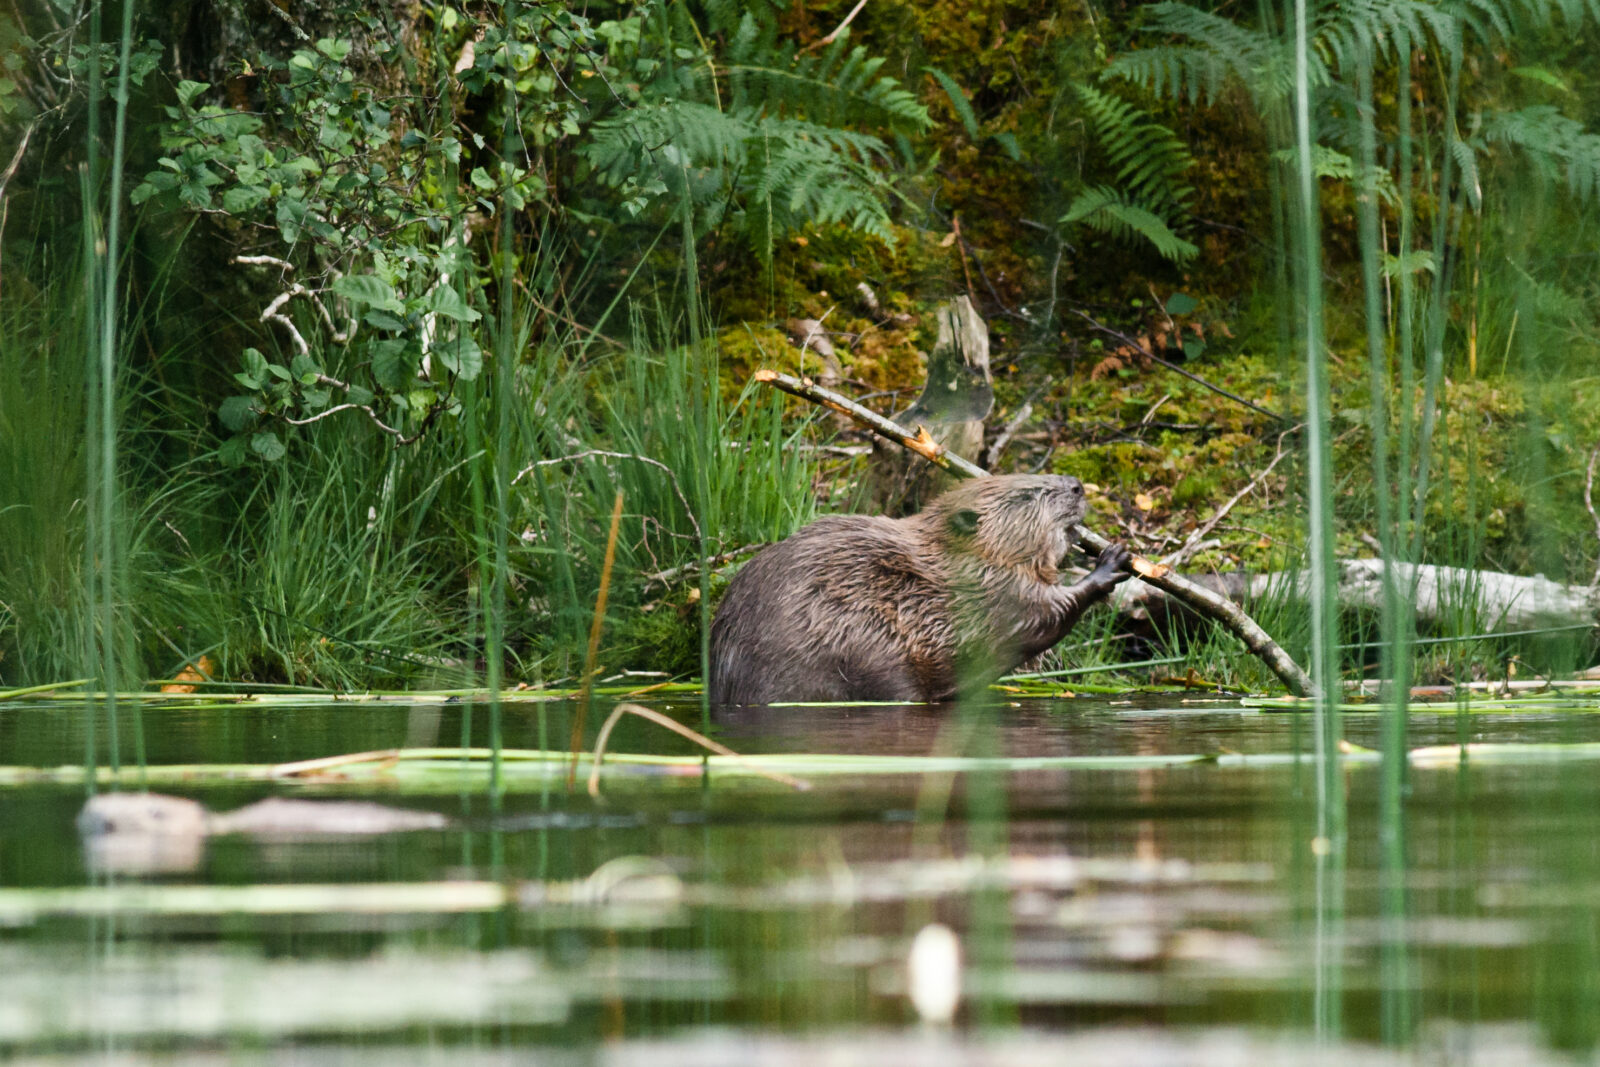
[(1201, 599), (265, 261), (1023, 413), (673, 573), (1588, 502), (274, 313), (683, 731), (587, 453), (1142, 350), (1193, 544), (274, 310), (16, 158), (837, 30)]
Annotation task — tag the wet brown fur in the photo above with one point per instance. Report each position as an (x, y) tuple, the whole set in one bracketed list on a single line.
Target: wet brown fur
[(857, 607)]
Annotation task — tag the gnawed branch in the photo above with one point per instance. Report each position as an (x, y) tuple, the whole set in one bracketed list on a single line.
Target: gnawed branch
[(1201, 599)]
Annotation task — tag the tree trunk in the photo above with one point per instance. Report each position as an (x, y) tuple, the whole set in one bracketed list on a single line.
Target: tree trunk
[(956, 398)]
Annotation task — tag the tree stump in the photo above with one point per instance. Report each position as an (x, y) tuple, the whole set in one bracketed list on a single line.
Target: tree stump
[(956, 397)]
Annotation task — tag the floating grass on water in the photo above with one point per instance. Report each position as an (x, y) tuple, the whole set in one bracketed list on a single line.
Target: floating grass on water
[(42, 690)]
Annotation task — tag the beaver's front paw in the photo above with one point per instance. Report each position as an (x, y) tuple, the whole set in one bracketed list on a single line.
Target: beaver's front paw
[(1114, 566)]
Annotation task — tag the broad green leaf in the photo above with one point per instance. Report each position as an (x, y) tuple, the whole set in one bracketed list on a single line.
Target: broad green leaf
[(382, 320), (304, 370), (462, 357), (188, 90), (368, 289), (255, 364), (234, 451), (238, 412), (242, 198), (393, 366), (447, 302), (266, 445), (1181, 304)]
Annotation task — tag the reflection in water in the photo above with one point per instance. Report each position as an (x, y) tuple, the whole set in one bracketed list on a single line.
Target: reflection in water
[(1150, 915), (140, 834)]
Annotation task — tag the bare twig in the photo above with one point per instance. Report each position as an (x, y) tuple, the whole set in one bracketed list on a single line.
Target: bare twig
[(274, 310), (1196, 539), (961, 246), (1134, 344), (837, 30), (373, 415), (587, 453), (1016, 423), (673, 573), (265, 261), (16, 157), (294, 27), (682, 731), (274, 313), (1588, 502), (1203, 600)]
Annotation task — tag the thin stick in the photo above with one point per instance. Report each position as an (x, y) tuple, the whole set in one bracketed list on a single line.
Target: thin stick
[(676, 488), (682, 731), (1588, 502), (326, 763), (837, 30), (1142, 350), (1198, 597), (1189, 546), (582, 711), (1017, 420)]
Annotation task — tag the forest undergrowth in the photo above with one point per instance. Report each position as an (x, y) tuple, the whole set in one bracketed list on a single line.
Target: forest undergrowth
[(403, 301)]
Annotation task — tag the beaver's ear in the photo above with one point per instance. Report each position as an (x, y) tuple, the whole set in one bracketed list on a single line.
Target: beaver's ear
[(964, 522)]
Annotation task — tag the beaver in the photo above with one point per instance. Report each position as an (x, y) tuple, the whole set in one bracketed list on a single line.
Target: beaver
[(856, 607)]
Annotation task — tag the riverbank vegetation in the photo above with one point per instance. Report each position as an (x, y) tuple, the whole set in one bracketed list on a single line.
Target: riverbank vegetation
[(330, 334)]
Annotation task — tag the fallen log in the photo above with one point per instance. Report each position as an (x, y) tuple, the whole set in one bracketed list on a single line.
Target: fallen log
[(1205, 601), (1500, 602)]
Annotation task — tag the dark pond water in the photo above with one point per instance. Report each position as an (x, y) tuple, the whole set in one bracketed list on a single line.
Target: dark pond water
[(1131, 913)]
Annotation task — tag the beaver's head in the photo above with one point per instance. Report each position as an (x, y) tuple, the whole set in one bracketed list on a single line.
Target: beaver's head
[(1014, 520)]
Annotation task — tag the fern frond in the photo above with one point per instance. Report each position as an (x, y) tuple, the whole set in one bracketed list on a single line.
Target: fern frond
[(1107, 211), (1331, 163), (1467, 163), (1384, 28), (958, 100), (1222, 51), (1555, 144), (1150, 159), (840, 86)]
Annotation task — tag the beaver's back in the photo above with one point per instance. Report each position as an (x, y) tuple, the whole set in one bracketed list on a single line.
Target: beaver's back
[(850, 608)]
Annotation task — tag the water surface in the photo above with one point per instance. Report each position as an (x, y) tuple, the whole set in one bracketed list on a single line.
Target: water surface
[(1162, 914)]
